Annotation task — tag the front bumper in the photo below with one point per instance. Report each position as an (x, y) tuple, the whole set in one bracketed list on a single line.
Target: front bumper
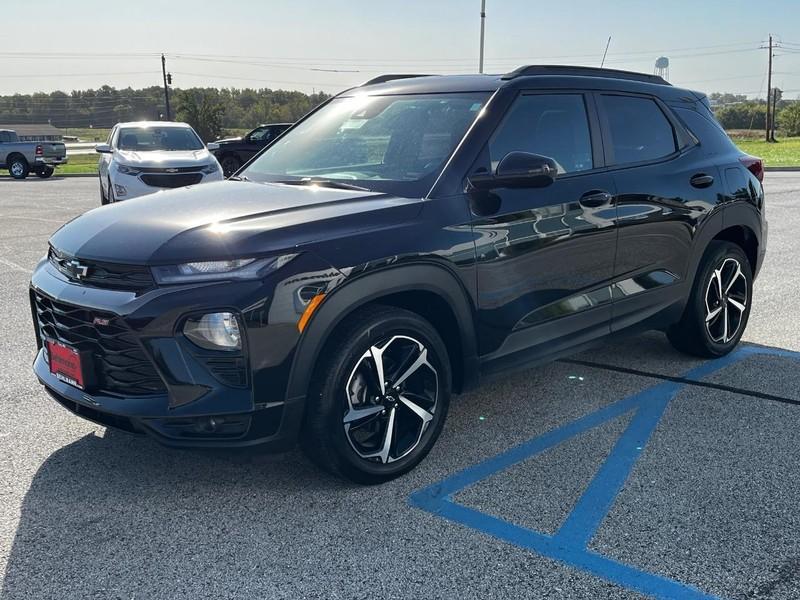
[(195, 407)]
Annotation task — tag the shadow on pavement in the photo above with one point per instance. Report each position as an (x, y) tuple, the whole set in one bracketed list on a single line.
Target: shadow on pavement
[(121, 517), (104, 511)]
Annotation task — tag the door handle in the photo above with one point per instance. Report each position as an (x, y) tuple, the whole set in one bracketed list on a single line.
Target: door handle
[(701, 180), (595, 199)]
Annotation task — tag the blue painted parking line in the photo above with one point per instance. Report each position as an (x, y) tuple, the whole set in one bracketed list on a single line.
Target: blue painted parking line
[(570, 543)]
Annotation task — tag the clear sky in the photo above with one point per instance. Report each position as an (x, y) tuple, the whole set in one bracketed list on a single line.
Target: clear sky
[(713, 45)]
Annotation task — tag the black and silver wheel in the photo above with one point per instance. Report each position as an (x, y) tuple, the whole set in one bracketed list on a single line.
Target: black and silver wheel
[(230, 164), (44, 172), (380, 400), (18, 167), (717, 312)]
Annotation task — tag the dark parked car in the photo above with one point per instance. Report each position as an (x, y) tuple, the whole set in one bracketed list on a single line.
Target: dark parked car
[(234, 152), (400, 243)]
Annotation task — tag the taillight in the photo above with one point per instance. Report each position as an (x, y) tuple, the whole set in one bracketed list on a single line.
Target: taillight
[(39, 150), (754, 165)]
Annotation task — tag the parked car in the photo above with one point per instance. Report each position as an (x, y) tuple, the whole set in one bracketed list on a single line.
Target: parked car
[(143, 157), (405, 240), (20, 158), (234, 152)]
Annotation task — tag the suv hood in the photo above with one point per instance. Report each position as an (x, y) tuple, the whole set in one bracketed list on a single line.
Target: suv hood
[(229, 140), (226, 219), (164, 158)]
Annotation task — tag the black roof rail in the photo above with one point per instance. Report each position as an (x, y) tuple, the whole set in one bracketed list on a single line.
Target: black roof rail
[(392, 77), (583, 72)]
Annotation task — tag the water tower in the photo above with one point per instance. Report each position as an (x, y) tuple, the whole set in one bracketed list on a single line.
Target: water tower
[(662, 68)]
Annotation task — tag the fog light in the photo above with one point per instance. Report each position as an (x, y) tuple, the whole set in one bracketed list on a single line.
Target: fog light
[(120, 190), (214, 331)]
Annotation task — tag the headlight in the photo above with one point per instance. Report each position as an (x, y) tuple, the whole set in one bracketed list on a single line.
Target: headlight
[(220, 270), (126, 170), (210, 168), (214, 331)]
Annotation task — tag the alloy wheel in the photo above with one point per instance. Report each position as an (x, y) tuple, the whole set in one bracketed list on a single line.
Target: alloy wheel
[(726, 301), (17, 169), (392, 395)]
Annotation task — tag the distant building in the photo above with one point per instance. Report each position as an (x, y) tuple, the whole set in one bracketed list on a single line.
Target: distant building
[(35, 132)]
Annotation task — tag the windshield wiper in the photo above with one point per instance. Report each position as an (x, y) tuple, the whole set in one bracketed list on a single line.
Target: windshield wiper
[(238, 178), (331, 183)]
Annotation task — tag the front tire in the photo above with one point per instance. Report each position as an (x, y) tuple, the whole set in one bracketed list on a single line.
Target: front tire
[(719, 306), (103, 197), (379, 397), (111, 198)]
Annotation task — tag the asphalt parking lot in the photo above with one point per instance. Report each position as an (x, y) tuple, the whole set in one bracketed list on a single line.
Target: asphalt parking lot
[(629, 471)]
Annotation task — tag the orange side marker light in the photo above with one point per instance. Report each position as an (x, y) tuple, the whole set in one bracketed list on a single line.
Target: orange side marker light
[(312, 306)]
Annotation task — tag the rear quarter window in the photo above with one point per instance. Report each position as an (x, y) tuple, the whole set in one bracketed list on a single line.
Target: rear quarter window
[(713, 139), (639, 129)]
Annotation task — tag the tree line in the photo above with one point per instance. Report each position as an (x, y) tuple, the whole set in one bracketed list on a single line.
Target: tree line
[(735, 111), (210, 110)]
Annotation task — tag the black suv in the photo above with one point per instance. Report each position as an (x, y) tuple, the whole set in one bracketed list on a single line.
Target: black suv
[(404, 240), (234, 152)]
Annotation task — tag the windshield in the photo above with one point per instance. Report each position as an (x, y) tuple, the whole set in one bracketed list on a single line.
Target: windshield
[(395, 144), (143, 139)]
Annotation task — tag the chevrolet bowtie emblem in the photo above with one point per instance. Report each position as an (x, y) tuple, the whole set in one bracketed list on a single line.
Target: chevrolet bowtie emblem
[(76, 269)]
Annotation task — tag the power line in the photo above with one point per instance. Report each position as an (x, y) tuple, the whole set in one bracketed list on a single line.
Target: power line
[(265, 80), (28, 75)]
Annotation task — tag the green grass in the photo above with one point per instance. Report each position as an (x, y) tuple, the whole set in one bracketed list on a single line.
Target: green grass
[(783, 153), (80, 163), (85, 134)]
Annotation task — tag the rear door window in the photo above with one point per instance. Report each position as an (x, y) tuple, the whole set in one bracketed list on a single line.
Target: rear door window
[(638, 128), (552, 125)]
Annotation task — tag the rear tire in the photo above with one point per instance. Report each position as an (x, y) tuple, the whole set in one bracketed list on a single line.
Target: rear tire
[(355, 429), (716, 314), (44, 172), (230, 164), (18, 167)]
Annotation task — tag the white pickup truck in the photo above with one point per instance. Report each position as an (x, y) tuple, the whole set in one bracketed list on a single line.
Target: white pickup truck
[(21, 158)]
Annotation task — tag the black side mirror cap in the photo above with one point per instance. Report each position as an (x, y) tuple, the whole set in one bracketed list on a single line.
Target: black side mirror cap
[(518, 170)]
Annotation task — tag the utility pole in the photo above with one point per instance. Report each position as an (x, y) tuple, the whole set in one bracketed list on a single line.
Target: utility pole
[(483, 25), (166, 88), (769, 90), (776, 95)]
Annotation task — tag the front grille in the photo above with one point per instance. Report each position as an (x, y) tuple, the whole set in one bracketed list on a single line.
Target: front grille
[(120, 365), (171, 181), (103, 275)]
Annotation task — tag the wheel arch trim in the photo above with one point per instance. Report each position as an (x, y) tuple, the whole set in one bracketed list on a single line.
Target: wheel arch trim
[(371, 287)]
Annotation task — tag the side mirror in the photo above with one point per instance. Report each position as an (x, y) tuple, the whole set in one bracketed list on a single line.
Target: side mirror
[(103, 149), (212, 146), (518, 170)]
